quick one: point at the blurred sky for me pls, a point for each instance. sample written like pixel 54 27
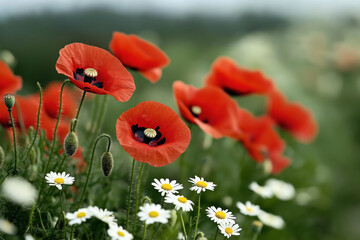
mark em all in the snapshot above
pixel 182 8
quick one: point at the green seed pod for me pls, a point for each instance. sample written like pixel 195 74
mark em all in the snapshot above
pixel 32 156
pixel 107 163
pixel 9 100
pixel 71 144
pixel 2 156
pixel 257 226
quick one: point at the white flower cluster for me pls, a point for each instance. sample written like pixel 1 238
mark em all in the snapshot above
pixel 274 187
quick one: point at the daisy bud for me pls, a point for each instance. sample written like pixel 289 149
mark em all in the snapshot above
pixel 71 144
pixel 2 156
pixel 107 163
pixel 173 217
pixel 32 156
pixel 9 100
pixel 257 226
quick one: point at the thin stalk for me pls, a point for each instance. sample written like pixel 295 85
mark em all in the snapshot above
pixel 183 225
pixel 198 217
pixel 129 195
pixel 217 231
pixel 255 236
pixel 61 163
pixel 91 164
pixel 30 217
pixel 53 143
pixel 72 232
pixel 144 232
pixel 137 197
pixel 61 204
pixel 14 136
pixel 37 122
pixel 80 105
pixel 41 221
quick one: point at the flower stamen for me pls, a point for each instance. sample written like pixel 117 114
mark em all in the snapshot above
pixel 121 234
pixel 228 230
pixel 166 187
pixel 81 215
pixel 90 72
pixel 220 214
pixel 59 180
pixel 182 199
pixel 153 214
pixel 150 133
pixel 201 184
pixel 196 110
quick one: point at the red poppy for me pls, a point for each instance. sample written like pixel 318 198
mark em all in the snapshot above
pixel 293 117
pixel 208 107
pixel 139 54
pixel 261 140
pixel 152 133
pixel 51 101
pixel 95 70
pixel 9 83
pixel 236 80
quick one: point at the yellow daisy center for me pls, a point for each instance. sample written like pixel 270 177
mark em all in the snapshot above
pixel 150 133
pixel 80 214
pixel 153 214
pixel 249 209
pixel 90 72
pixel 220 214
pixel 120 233
pixel 166 187
pixel 201 184
pixel 182 199
pixel 228 230
pixel 196 110
pixel 59 180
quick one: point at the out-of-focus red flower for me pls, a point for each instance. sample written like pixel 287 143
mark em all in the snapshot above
pixel 152 133
pixel 51 101
pixel 9 83
pixel 95 70
pixel 235 80
pixel 209 107
pixel 261 140
pixel 293 117
pixel 139 54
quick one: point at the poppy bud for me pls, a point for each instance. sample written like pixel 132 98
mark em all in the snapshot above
pixel 33 173
pixel 107 163
pixel 256 226
pixel 31 131
pixel 32 156
pixel 2 156
pixel 9 100
pixel 71 144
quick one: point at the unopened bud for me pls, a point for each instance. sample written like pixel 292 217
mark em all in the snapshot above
pixel 33 173
pixel 31 131
pixel 107 163
pixel 267 167
pixel 9 100
pixel 2 156
pixel 32 156
pixel 173 217
pixel 71 144
pixel 257 226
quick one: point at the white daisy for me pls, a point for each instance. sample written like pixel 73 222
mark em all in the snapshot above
pixel 271 220
pixel 118 233
pixel 102 214
pixel 282 190
pixel 151 213
pixel 29 237
pixel 57 179
pixel 248 208
pixel 7 227
pixel 165 186
pixel 220 216
pixel 229 229
pixel 201 185
pixel 180 202
pixel 264 192
pixel 79 216
pixel 18 190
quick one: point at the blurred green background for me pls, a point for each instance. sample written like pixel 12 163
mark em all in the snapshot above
pixel 314 61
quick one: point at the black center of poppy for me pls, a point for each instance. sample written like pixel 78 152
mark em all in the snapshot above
pixel 140 136
pixel 79 75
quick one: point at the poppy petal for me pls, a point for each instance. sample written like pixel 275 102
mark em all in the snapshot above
pixel 9 82
pixel 153 74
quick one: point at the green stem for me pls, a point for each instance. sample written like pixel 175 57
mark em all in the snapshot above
pixel 61 204
pixel 217 231
pixel 41 221
pixel 183 225
pixel 80 105
pixel 137 197
pixel 198 217
pixel 255 236
pixel 91 164
pixel 14 136
pixel 37 122
pixel 144 232
pixel 152 231
pixel 72 232
pixel 129 195
pixel 61 163
pixel 30 217
pixel 53 143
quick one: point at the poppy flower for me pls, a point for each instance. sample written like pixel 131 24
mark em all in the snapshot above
pixel 139 54
pixel 95 70
pixel 209 107
pixel 51 101
pixel 235 80
pixel 152 133
pixel 261 140
pixel 293 117
pixel 9 82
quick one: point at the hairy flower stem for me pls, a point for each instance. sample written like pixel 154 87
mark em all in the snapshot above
pixel 129 195
pixel 91 164
pixel 197 217
pixel 13 128
pixel 137 197
pixel 53 143
pixel 30 217
pixel 183 225
pixel 80 105
pixel 37 122
pixel 61 163
pixel 144 232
